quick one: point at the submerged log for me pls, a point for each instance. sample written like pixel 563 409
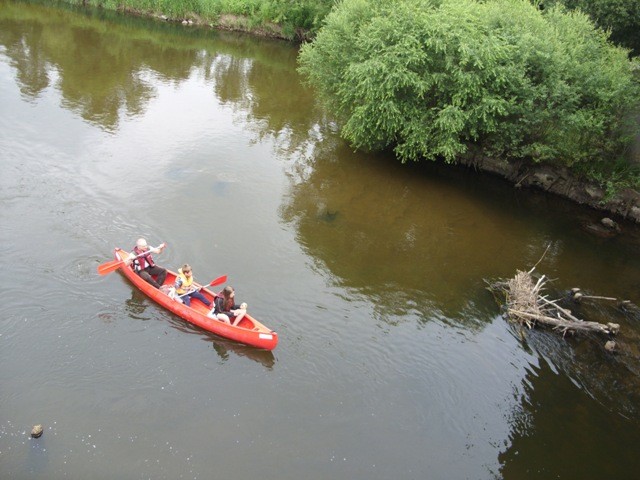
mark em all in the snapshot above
pixel 565 325
pixel 577 296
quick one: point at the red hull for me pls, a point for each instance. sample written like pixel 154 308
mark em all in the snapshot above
pixel 249 331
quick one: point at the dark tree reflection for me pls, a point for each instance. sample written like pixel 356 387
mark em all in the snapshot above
pixel 28 59
pixel 550 436
pixel 107 66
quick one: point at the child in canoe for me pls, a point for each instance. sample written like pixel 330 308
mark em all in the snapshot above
pixel 184 289
pixel 225 308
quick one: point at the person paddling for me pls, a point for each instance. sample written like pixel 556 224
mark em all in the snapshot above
pixel 185 289
pixel 144 265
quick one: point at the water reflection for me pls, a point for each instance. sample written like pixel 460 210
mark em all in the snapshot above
pixel 552 403
pixel 400 235
pixel 76 55
pixel 136 305
pixel 424 237
pixel 224 347
pixel 37 460
pixel 417 248
pixel 107 68
pixel 576 385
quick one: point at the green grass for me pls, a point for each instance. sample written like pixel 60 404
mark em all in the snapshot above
pixel 295 19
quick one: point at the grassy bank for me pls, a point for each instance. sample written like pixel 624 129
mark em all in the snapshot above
pixel 287 19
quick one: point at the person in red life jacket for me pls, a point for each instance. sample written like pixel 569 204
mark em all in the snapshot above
pixel 185 289
pixel 225 309
pixel 144 265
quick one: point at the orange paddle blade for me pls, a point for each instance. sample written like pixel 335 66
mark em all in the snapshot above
pixel 109 267
pixel 218 281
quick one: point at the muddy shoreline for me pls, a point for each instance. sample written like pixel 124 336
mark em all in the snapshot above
pixel 624 205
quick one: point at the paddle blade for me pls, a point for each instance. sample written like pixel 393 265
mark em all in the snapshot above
pixel 218 281
pixel 109 267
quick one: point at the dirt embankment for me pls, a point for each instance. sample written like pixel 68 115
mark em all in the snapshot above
pixel 561 181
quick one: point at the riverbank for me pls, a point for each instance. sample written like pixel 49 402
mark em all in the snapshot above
pixel 625 204
pixel 228 22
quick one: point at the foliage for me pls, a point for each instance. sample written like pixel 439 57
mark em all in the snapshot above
pixel 616 177
pixel 430 77
pixel 621 17
pixel 292 15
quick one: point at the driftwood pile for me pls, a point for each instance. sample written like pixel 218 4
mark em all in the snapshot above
pixel 528 306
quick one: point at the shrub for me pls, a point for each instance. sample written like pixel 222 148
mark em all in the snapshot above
pixel 429 77
pixel 620 17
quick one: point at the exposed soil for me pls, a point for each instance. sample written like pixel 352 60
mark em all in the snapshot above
pixel 561 181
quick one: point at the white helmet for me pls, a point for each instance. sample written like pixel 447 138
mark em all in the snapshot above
pixel 141 243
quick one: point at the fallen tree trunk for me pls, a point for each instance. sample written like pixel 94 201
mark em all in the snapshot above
pixel 565 325
pixel 526 305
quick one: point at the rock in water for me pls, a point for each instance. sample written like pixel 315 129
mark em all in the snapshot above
pixel 607 222
pixel 36 431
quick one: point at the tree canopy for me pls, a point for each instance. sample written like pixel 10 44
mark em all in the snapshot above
pixel 429 78
pixel 621 17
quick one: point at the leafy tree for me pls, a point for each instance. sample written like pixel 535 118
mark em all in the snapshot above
pixel 621 17
pixel 431 77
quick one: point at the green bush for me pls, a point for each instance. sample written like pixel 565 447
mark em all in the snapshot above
pixel 620 17
pixel 430 77
pixel 296 14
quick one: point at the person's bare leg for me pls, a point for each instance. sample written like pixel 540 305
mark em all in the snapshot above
pixel 239 317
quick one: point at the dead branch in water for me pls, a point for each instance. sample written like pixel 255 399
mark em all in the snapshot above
pixel 526 305
pixel 578 296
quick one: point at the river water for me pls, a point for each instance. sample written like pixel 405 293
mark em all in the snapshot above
pixel 394 361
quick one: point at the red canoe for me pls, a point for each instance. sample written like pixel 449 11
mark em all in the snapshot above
pixel 249 331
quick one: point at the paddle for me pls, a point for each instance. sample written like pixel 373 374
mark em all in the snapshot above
pixel 113 265
pixel 213 283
